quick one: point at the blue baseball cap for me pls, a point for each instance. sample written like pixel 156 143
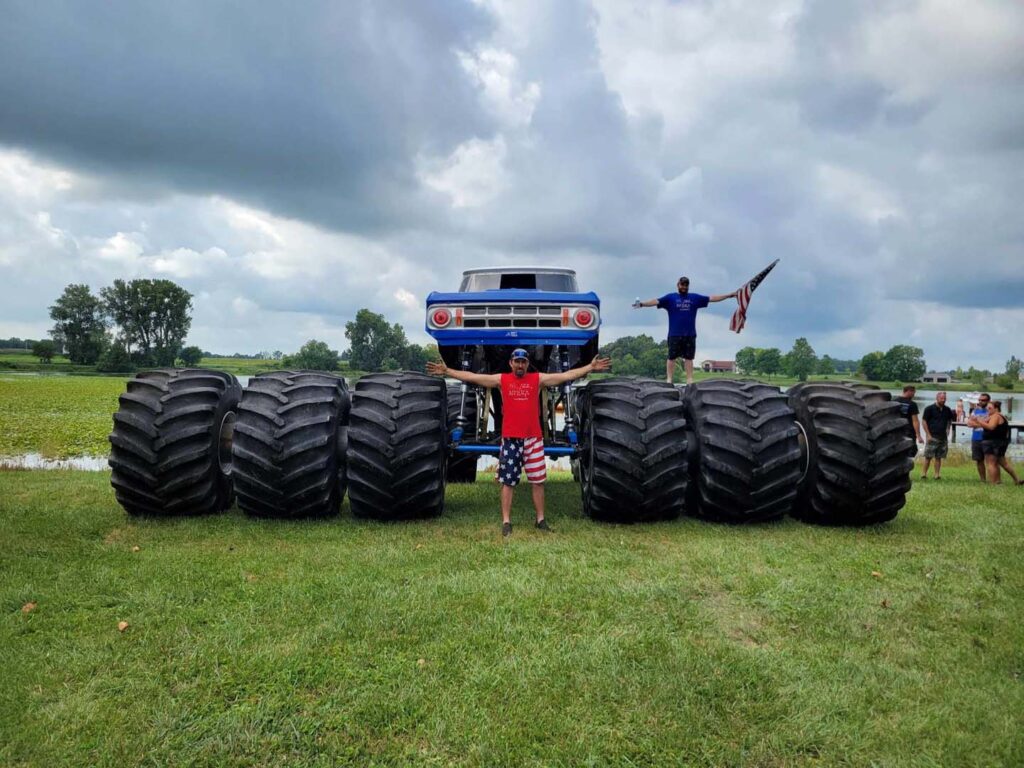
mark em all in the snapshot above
pixel 520 354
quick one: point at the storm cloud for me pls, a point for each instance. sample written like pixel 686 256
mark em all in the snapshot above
pixel 289 165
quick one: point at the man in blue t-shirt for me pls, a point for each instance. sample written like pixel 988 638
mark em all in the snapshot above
pixel 682 309
pixel 977 435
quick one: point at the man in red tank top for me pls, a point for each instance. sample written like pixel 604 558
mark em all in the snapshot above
pixel 522 442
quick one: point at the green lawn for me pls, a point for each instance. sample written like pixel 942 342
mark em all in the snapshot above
pixel 343 641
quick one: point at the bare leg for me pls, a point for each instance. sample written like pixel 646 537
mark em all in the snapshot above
pixel 981 470
pixel 938 468
pixel 992 467
pixel 506 503
pixel 1005 464
pixel 538 499
pixel 927 463
pixel 670 369
pixel 688 364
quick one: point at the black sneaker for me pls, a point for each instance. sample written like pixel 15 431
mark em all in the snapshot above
pixel 542 525
pixel 506 530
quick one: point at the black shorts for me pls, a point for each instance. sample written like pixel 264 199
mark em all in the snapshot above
pixel 682 346
pixel 995 448
pixel 977 454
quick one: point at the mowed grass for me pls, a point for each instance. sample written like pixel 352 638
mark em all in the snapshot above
pixel 435 643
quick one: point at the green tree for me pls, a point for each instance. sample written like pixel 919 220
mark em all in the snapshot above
pixel 313 356
pixel 415 356
pixel 80 324
pixel 637 356
pixel 904 363
pixel 769 361
pixel 801 360
pixel 115 359
pixel 375 345
pixel 1013 367
pixel 190 356
pixel 1005 381
pixel 44 350
pixel 978 377
pixel 152 315
pixel 872 365
pixel 826 366
pixel 746 360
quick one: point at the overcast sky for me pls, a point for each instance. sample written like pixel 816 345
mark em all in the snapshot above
pixel 289 164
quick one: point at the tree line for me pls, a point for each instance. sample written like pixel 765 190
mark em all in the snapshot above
pixel 144 323
pixel 130 323
pixel 374 345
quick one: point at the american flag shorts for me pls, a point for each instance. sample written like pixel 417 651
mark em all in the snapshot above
pixel 518 453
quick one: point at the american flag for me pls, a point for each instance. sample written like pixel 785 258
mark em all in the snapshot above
pixel 739 317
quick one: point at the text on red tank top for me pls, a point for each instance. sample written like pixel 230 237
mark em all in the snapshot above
pixel 520 405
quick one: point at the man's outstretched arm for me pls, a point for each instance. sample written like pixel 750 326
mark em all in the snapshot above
pixel 480 379
pixel 554 379
pixel 722 296
pixel 648 303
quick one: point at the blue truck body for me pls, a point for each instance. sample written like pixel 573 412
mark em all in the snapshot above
pixel 477 329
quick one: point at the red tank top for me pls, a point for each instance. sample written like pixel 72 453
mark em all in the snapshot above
pixel 520 405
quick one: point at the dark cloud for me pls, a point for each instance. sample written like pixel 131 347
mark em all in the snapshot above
pixel 876 149
pixel 313 112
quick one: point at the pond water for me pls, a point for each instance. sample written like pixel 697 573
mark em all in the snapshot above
pixel 36 461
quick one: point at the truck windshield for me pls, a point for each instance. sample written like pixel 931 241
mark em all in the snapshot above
pixel 537 281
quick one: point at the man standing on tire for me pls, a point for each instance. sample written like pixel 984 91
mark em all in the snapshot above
pixel 936 420
pixel 522 442
pixel 682 309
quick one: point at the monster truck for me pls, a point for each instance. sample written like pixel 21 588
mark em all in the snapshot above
pixel 626 437
pixel 189 441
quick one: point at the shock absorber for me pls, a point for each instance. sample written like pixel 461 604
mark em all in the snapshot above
pixel 570 416
pixel 460 420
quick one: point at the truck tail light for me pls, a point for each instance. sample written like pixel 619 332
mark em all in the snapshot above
pixel 441 317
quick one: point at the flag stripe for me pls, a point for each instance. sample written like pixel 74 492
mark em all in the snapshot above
pixel 739 317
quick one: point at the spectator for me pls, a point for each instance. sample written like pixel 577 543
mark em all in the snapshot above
pixel 979 412
pixel 909 411
pixel 682 309
pixel 937 420
pixel 995 442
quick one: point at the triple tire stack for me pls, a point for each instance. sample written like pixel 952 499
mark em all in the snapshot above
pixel 189 442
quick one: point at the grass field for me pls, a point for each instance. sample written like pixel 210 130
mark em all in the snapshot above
pixel 435 643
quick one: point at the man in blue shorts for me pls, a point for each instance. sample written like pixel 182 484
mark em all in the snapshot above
pixel 682 309
pixel 978 434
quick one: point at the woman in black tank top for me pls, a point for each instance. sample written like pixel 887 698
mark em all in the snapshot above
pixel 995 440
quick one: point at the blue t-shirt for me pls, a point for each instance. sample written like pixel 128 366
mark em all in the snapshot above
pixel 682 312
pixel 978 434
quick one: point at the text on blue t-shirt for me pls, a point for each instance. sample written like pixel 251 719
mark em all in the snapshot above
pixel 682 312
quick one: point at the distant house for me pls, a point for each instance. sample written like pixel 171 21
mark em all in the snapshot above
pixel 718 366
pixel 936 377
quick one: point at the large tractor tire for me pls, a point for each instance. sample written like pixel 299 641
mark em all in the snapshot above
pixel 859 457
pixel 289 458
pixel 397 446
pixel 746 462
pixel 462 466
pixel 169 451
pixel 633 464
